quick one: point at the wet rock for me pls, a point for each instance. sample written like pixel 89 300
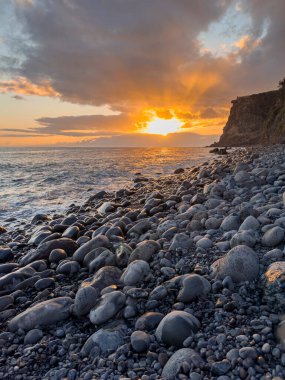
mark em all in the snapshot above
pixel 175 327
pixel 241 263
pixel 6 302
pixel 57 255
pixel 105 258
pixel 68 268
pixel 42 315
pixel 108 306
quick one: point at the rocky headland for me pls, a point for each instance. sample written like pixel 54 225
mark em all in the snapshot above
pixel 180 277
pixel 257 119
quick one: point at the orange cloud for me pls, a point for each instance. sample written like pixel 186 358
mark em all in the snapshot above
pixel 21 85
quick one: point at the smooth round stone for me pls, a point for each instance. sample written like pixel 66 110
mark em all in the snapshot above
pixel 43 314
pixel 273 237
pixel 148 321
pixel 241 263
pixel 85 299
pixel 243 238
pixel 68 267
pixel 44 283
pixel 230 223
pixel 33 336
pixel 204 243
pixel 104 341
pixel 144 251
pixel 108 306
pixel 194 286
pixel 248 352
pixel 250 223
pixel 6 255
pixel 212 223
pixel 57 255
pixel 140 341
pixel 273 254
pixel 181 241
pixel 6 301
pixel 176 361
pixel 135 272
pixel 105 258
pixel 175 327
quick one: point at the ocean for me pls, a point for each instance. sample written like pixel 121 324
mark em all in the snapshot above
pixel 48 180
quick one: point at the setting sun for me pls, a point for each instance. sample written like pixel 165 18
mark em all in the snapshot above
pixel 161 126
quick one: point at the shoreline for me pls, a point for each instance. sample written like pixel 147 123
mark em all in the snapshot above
pixel 140 284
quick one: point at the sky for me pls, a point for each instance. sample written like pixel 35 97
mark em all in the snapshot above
pixel 132 72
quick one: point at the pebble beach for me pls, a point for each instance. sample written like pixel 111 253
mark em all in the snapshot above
pixel 176 277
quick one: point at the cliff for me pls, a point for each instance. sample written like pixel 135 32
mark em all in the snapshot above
pixel 257 119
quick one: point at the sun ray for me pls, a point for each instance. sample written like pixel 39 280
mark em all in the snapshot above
pixel 161 126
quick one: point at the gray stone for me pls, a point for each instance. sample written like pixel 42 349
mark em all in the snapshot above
pixel 204 243
pixel 273 254
pixel 71 232
pixel 230 223
pixel 148 321
pixel 145 251
pixel 85 299
pixel 108 306
pixel 104 341
pixel 175 327
pixel 5 302
pixel 98 241
pixel 105 258
pixel 241 263
pixel 57 255
pixel 221 367
pixel 176 361
pixel 250 223
pixel 33 336
pixel 243 238
pixel 44 283
pixel 6 254
pixel 194 286
pixel 43 252
pixel 140 341
pixel 273 237
pixel 68 267
pixel 135 272
pixel 42 315
pixel 123 253
pixel 181 241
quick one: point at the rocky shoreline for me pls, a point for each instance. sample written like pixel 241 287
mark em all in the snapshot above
pixel 180 277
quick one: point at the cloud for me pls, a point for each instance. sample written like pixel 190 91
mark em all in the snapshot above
pixel 139 56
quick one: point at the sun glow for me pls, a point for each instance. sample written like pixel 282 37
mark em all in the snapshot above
pixel 161 126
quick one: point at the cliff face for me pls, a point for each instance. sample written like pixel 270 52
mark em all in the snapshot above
pixel 257 119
